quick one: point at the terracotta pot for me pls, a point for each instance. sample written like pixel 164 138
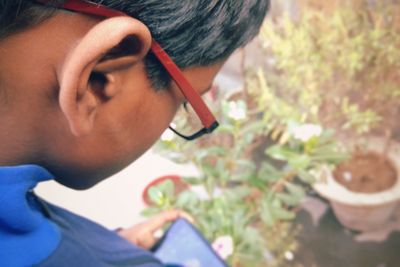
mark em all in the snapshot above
pixel 364 217
pixel 179 184
pixel 361 211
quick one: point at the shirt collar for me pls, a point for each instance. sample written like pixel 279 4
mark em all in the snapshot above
pixel 26 235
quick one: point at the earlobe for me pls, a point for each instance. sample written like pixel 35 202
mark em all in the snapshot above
pixel 78 102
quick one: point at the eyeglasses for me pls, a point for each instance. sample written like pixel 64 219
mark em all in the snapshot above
pixel 208 121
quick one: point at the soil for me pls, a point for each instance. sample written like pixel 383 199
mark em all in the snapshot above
pixel 366 173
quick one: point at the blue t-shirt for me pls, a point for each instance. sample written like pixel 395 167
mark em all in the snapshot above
pixel 36 233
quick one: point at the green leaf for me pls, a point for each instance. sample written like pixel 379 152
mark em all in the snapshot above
pixel 295 190
pixel 217 150
pixel 269 173
pixel 247 139
pixel 257 127
pixel 248 164
pixel 156 196
pixel 256 182
pixel 266 214
pixel 299 162
pixel 283 214
pixel 220 166
pixel 237 193
pixel 306 177
pixel 288 199
pixel 193 180
pixel 237 177
pixel 209 170
pixel 239 220
pixel 187 199
pixel 167 187
pixel 225 128
pixel 280 153
pixel 200 155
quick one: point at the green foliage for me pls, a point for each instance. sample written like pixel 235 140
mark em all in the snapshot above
pixel 324 70
pixel 163 194
pixel 335 67
pixel 246 198
pixel 361 121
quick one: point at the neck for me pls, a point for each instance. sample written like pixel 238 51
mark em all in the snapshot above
pixel 16 147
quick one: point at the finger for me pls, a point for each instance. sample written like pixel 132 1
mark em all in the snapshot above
pixel 146 241
pixel 186 216
pixel 165 217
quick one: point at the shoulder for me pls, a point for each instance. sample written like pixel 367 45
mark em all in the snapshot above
pixel 86 243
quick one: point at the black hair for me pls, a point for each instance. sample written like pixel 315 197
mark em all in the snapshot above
pixel 193 32
pixel 18 15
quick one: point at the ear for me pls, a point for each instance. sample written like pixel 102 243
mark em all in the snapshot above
pixel 101 51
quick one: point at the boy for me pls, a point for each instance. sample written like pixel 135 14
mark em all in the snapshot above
pixel 85 90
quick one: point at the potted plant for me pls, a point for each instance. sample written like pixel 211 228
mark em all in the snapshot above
pixel 242 206
pixel 338 65
pixel 365 190
pixel 168 181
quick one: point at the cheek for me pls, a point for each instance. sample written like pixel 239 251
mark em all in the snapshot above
pixel 155 118
pixel 141 122
pixel 124 131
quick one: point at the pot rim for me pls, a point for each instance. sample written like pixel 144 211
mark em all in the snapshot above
pixel 329 188
pixel 332 190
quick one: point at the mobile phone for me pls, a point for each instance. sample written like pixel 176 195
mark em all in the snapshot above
pixel 184 246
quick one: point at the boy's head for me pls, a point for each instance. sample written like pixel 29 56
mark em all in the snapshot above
pixel 84 96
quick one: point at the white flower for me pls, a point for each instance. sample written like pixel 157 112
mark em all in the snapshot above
pixel 168 135
pixel 289 255
pixel 306 131
pixel 223 245
pixel 237 110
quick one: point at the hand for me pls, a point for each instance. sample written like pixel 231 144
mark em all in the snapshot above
pixel 143 234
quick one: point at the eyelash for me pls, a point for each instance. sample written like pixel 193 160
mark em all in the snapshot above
pixel 185 104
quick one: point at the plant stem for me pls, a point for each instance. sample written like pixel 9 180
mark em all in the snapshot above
pixel 278 187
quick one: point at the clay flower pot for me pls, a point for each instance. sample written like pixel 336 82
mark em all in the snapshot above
pixel 179 186
pixel 365 210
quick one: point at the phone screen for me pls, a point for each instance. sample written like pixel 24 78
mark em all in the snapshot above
pixel 184 246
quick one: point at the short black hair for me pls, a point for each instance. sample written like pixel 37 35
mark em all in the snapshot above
pixel 193 32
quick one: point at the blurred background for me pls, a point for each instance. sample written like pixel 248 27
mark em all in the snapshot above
pixel 303 170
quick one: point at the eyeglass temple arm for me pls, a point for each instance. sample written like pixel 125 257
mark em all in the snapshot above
pixel 192 96
pixel 195 135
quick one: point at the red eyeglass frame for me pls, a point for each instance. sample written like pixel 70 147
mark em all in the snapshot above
pixel 192 96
